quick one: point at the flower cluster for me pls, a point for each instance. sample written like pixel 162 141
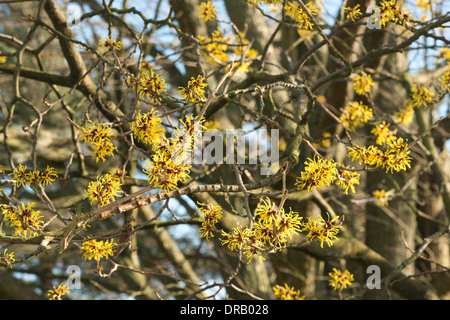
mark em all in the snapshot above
pixel 355 115
pixel 104 190
pixel 421 95
pixel 340 280
pixel 36 178
pixel 195 89
pixel 382 134
pixel 169 165
pixel 7 259
pixel 382 197
pixel 214 48
pixel 58 292
pixel 353 13
pixel 322 230
pixel 287 293
pixel 405 114
pixel 26 221
pixel 93 249
pixel 109 45
pixel 321 172
pixel 363 83
pixel 207 11
pixel 390 11
pixel 444 81
pixel 210 216
pixel 150 86
pixel 98 136
pixel 267 2
pixel 394 158
pixel 270 233
pixel 219 49
pixel 147 127
pixel 301 16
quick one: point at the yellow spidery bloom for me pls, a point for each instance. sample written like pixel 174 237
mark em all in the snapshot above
pixel 390 11
pixel 406 114
pixel 151 86
pixel 383 134
pixel 146 127
pixel 340 280
pixel 382 197
pixel 93 249
pixel 105 190
pixel 207 11
pixel 300 16
pixel 210 216
pixel 421 96
pixel 317 174
pixel 236 239
pixel 109 44
pixel 26 221
pixel 324 231
pixel 20 176
pixel 99 139
pixel 363 83
pixel 58 292
pixel 355 115
pixel 7 259
pixel 214 48
pixel 195 89
pixel 353 13
pixel 287 293
pixel 37 178
pixel 347 179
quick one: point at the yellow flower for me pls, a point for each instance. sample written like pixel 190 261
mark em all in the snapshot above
pixel 110 44
pixel 287 293
pixel 322 230
pixel 445 81
pixel 444 53
pixel 382 134
pixel 104 190
pixel 2 58
pixel 58 292
pixel 97 250
pixel 347 179
pixel 20 176
pixel 355 115
pixel 406 114
pixel 353 13
pixel 421 96
pixel 317 174
pixel 390 11
pixel 194 90
pixel 214 48
pixel 146 127
pixel 210 216
pixel 99 138
pixel 207 11
pixel 236 239
pixel 27 221
pixel 299 15
pixel 340 280
pixel 382 197
pixel 7 259
pixel 151 86
pixel 363 83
